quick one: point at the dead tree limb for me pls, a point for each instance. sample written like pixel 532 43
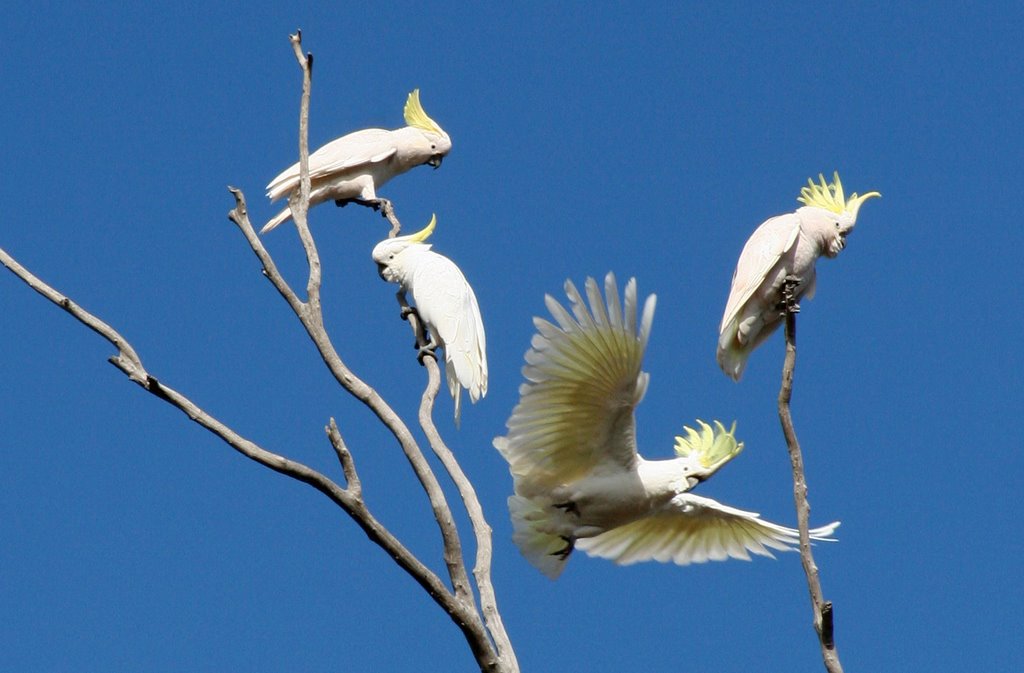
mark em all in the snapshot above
pixel 485 634
pixel 823 624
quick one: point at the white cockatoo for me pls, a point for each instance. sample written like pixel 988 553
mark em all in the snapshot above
pixel 571 449
pixel 783 247
pixel 447 305
pixel 351 168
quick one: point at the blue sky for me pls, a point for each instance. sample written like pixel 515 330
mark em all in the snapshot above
pixel 587 138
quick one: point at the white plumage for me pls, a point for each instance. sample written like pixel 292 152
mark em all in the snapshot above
pixel 353 167
pixel 786 246
pixel 447 305
pixel 571 449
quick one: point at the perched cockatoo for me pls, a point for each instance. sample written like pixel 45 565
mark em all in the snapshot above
pixel 352 167
pixel 571 449
pixel 447 305
pixel 783 247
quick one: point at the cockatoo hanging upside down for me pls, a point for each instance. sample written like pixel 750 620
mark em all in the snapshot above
pixel 447 305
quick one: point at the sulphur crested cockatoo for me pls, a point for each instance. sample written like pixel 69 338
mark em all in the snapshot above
pixel 571 449
pixel 352 167
pixel 783 249
pixel 447 305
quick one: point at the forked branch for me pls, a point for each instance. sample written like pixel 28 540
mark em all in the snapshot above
pixel 485 636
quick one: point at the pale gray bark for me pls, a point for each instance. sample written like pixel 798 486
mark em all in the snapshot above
pixel 822 609
pixel 480 623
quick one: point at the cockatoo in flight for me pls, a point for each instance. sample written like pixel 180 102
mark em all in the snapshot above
pixel 447 305
pixel 571 449
pixel 783 249
pixel 351 168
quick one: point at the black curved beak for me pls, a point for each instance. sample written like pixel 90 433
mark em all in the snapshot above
pixel 380 270
pixel 435 161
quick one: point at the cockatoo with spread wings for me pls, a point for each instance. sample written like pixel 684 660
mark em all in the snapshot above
pixel 571 449
pixel 783 249
pixel 447 305
pixel 352 167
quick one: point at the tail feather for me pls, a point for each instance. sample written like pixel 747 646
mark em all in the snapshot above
pixel 546 552
pixel 283 216
pixel 453 387
pixel 732 355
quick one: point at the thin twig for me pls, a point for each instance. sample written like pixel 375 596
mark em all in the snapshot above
pixel 452 556
pixel 481 529
pixel 298 203
pixel 388 211
pixel 822 609
pixel 348 465
pixel 129 362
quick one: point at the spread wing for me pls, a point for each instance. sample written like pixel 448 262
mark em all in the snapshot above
pixel 583 381
pixel 447 303
pixel 760 254
pixel 695 530
pixel 357 148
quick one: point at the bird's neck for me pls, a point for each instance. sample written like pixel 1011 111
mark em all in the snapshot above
pixel 663 479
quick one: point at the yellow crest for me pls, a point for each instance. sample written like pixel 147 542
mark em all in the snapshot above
pixel 830 195
pixel 416 117
pixel 423 233
pixel 712 445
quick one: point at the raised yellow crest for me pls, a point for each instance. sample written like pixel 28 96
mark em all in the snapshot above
pixel 830 195
pixel 416 117
pixel 423 233
pixel 711 444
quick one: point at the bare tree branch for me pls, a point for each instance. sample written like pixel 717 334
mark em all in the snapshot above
pixel 485 635
pixel 348 466
pixel 128 361
pixel 823 624
pixel 310 314
pixel 481 529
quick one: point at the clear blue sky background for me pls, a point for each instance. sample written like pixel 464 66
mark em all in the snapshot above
pixel 587 138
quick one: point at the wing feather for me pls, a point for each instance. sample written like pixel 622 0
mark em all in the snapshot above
pixel 696 530
pixel 446 301
pixel 583 381
pixel 341 154
pixel 762 251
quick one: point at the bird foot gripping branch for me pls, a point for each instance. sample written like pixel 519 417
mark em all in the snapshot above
pixel 424 345
pixel 789 303
pixel 381 205
pixel 423 351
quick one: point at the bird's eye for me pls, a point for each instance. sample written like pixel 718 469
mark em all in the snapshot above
pixel 433 146
pixel 391 256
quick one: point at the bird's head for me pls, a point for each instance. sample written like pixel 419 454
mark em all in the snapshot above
pixel 706 450
pixel 841 212
pixel 435 143
pixel 393 255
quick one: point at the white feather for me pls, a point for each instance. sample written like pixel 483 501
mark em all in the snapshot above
pixel 446 303
pixel 355 165
pixel 571 449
